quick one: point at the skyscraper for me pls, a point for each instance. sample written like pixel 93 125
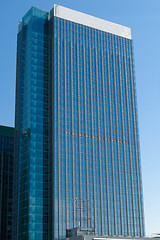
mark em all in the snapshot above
pixel 6 181
pixel 77 159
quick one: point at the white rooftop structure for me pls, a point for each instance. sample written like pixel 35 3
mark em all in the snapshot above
pixel 90 21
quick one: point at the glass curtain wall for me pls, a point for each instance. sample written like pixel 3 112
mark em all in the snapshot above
pixel 31 155
pixel 77 157
pixel 96 162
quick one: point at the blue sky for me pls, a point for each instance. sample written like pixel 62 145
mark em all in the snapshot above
pixel 144 19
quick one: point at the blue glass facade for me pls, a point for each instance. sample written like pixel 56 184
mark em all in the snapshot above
pixel 6 182
pixel 95 135
pixel 78 158
pixel 31 126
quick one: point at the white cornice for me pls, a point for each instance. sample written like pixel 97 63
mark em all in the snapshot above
pixel 90 21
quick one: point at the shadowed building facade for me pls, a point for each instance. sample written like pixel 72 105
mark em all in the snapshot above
pixel 77 159
pixel 6 181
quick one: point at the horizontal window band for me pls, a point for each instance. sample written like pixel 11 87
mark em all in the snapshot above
pixel 101 138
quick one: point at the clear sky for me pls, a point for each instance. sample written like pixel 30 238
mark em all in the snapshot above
pixel 143 16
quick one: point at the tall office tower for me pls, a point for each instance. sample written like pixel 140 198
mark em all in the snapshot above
pixel 77 158
pixel 6 181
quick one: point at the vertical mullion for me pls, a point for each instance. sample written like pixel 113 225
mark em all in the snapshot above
pixel 104 127
pixel 65 99
pixel 78 73
pixel 99 217
pixel 110 111
pixel 85 138
pixel 72 196
pixel 58 134
pixel 129 137
pixel 114 73
pixel 91 76
pixel 125 173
